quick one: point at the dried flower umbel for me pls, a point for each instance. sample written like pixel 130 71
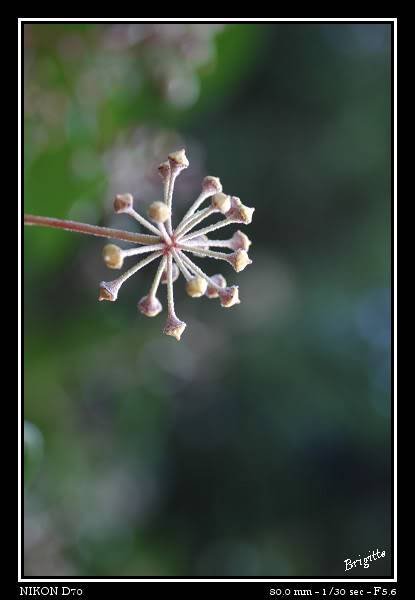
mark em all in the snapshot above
pixel 172 246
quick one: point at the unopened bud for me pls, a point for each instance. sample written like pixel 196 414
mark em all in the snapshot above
pixel 212 292
pixel 174 327
pixel 222 202
pixel 229 296
pixel 196 287
pixel 112 256
pixel 123 203
pixel 149 306
pixel 211 185
pixel 239 260
pixel 158 212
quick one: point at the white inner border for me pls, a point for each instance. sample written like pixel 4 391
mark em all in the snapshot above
pixel 20 174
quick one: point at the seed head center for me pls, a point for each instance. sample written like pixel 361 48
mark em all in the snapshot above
pixel 169 246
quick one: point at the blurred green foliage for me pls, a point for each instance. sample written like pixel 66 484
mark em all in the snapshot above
pixel 33 450
pixel 260 445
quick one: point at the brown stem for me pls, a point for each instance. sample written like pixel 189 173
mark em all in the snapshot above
pixel 116 234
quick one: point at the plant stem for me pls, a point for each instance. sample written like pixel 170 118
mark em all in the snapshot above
pixel 115 234
pixel 157 278
pixel 191 265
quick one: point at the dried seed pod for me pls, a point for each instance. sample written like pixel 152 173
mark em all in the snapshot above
pixel 239 213
pixel 229 296
pixel 211 185
pixel 108 290
pixel 174 327
pixel 240 241
pixel 239 260
pixel 178 160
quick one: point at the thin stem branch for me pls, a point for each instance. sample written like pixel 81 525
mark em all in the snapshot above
pixel 142 249
pixel 215 243
pixel 199 200
pixel 166 186
pixel 203 243
pixel 164 233
pixel 204 252
pixel 186 274
pixel 198 271
pixel 170 294
pixel 207 229
pixel 106 232
pixel 157 278
pixel 173 174
pixel 187 225
pixel 138 266
pixel 133 213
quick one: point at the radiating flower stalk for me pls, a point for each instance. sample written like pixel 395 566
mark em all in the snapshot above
pixel 172 245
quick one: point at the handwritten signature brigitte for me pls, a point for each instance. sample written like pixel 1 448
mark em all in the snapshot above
pixel 364 562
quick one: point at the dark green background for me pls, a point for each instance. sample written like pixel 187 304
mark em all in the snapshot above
pixel 260 444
